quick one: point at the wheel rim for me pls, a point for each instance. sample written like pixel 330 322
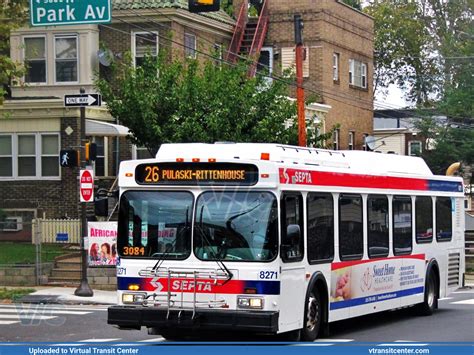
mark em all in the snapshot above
pixel 431 292
pixel 312 315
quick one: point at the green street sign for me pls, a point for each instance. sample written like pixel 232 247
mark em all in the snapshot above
pixel 69 12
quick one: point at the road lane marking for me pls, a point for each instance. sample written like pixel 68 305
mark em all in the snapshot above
pixel 8 322
pixel 334 340
pixel 470 301
pixel 22 312
pixel 152 340
pixel 42 306
pixel 27 316
pixel 99 340
pixel 445 298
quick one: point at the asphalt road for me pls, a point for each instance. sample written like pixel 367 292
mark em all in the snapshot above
pixel 453 322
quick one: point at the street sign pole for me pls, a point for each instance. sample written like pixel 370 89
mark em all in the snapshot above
pixel 84 290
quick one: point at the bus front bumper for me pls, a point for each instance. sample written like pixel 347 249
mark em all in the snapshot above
pixel 137 316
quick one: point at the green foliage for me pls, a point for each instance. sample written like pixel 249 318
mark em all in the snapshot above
pixel 12 15
pixel 353 3
pixel 445 144
pixel 417 44
pixel 14 294
pixel 25 253
pixel 167 101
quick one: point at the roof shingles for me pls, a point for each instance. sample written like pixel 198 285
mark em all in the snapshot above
pixel 221 15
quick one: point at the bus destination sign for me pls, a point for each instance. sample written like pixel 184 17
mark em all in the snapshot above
pixel 196 174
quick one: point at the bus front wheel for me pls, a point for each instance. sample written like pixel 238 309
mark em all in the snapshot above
pixel 312 317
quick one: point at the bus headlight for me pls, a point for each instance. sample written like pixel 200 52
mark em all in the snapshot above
pixel 249 302
pixel 133 297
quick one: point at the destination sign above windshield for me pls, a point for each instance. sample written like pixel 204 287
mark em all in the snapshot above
pixel 196 174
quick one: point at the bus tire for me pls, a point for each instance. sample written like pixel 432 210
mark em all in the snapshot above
pixel 312 317
pixel 431 295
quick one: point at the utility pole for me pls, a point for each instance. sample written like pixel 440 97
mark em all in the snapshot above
pixel 84 289
pixel 299 80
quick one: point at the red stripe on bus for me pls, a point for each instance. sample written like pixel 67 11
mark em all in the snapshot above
pixel 309 177
pixel 343 264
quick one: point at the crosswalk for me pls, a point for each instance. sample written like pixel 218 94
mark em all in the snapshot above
pixel 34 314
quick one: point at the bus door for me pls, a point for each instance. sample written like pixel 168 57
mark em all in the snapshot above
pixel 292 274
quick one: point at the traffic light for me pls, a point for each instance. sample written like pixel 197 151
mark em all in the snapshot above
pixel 69 158
pixel 90 151
pixel 203 5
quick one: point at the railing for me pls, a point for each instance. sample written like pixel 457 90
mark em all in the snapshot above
pixel 259 37
pixel 238 35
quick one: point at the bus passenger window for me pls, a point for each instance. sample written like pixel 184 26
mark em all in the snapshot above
pixel 320 211
pixel 350 227
pixel 377 226
pixel 444 222
pixel 292 215
pixel 402 225
pixel 424 219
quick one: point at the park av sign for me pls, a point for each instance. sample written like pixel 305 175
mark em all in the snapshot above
pixel 69 12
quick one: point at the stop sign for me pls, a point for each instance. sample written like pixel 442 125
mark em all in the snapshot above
pixel 86 181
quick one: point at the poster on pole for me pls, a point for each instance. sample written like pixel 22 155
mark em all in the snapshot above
pixel 102 249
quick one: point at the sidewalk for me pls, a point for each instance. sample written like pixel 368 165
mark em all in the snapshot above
pixel 65 295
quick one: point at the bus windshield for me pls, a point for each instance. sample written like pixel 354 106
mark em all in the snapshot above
pixel 155 224
pixel 240 226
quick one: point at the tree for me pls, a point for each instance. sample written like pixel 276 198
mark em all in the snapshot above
pixel 173 101
pixel 445 144
pixel 418 45
pixel 13 13
pixel 402 49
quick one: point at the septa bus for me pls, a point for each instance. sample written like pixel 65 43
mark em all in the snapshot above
pixel 271 238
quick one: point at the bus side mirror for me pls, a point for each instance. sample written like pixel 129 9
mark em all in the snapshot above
pixel 290 240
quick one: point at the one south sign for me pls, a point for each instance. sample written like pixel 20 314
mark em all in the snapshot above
pixel 69 12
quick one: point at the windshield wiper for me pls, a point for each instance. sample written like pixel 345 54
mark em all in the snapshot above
pixel 170 246
pixel 218 260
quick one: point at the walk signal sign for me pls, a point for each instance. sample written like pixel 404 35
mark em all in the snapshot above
pixel 195 6
pixel 69 158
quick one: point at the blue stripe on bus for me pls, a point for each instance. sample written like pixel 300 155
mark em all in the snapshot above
pixel 376 298
pixel 448 186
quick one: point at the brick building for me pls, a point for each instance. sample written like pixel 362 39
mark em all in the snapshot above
pixel 35 125
pixel 338 66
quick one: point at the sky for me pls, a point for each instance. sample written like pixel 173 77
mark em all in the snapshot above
pixel 394 99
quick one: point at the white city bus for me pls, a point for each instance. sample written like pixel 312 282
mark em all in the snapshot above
pixel 270 238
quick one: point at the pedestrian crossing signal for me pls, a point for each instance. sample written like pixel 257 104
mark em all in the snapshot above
pixel 69 158
pixel 203 5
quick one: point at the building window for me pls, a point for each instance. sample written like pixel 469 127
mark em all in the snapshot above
pixel 335 67
pixel 27 155
pixel 351 141
pixel 100 164
pixel 424 219
pixel 320 210
pixel 49 155
pixel 444 221
pixel 335 139
pixel 190 45
pixel 6 156
pixel 377 226
pixel 366 147
pixel 357 73
pixel 35 59
pixel 351 241
pixel 144 43
pixel 66 59
pixel 402 232
pixel 414 148
pixel 142 153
